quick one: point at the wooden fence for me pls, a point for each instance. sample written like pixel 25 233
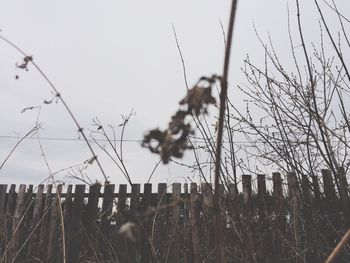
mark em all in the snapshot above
pixel 297 220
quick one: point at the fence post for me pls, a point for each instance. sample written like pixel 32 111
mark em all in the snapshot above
pixel 233 203
pixel 265 245
pixel 294 200
pixel 3 188
pixel 146 204
pixel 344 195
pixel 33 248
pixel 174 255
pixel 119 244
pixel 195 230
pixel 161 222
pixel 307 209
pixel 92 207
pixel 247 217
pixel 121 205
pixel 29 204
pixel 54 228
pixel 187 230
pixel 75 228
pixel 134 216
pixel 280 221
pixel 208 224
pixel 8 222
pixel 305 187
pixel 17 227
pixel 135 201
pixel 107 205
pixel 329 190
pixel 247 192
pixel 317 192
pixel 44 225
pixel 90 221
pixel 67 213
pixel 262 199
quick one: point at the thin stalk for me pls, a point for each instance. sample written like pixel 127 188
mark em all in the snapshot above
pixel 219 235
pixel 339 247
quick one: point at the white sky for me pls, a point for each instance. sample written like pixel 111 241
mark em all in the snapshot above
pixel 107 57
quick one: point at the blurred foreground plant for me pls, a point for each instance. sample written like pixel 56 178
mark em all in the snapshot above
pixel 173 141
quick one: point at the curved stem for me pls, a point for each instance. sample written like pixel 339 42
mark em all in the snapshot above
pixel 58 95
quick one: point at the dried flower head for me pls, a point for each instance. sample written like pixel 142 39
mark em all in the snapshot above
pixel 198 99
pixel 129 231
pixel 173 141
pixel 24 64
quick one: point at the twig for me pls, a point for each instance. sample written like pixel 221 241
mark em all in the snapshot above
pixel 154 169
pixel 223 32
pixel 182 59
pixel 33 130
pixel 125 121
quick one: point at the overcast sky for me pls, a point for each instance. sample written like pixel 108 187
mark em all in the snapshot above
pixel 109 57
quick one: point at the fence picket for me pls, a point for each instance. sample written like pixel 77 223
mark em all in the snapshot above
pixel 75 226
pixel 280 220
pixel 54 228
pixel 146 205
pixel 208 224
pixel 17 227
pixel 120 244
pixel 174 248
pixel 10 210
pixel 161 225
pixel 135 200
pixel 294 200
pixel 3 188
pixel 33 249
pixel 344 194
pixel 187 229
pixel 90 221
pixel 195 224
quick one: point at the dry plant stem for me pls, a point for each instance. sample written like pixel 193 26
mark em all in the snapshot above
pixel 181 56
pixel 30 234
pixel 58 194
pixel 4 255
pixel 207 137
pixel 122 166
pixel 220 253
pixel 33 130
pixel 125 121
pixel 339 247
pixel 199 124
pixel 9 244
pixel 58 95
pixel 154 169
pixel 80 129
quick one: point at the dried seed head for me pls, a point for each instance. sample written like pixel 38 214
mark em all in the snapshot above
pixel 129 231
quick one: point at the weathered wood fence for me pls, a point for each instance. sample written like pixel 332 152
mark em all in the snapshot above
pixel 297 220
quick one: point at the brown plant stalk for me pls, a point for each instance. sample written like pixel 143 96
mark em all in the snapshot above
pixel 219 235
pixel 339 247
